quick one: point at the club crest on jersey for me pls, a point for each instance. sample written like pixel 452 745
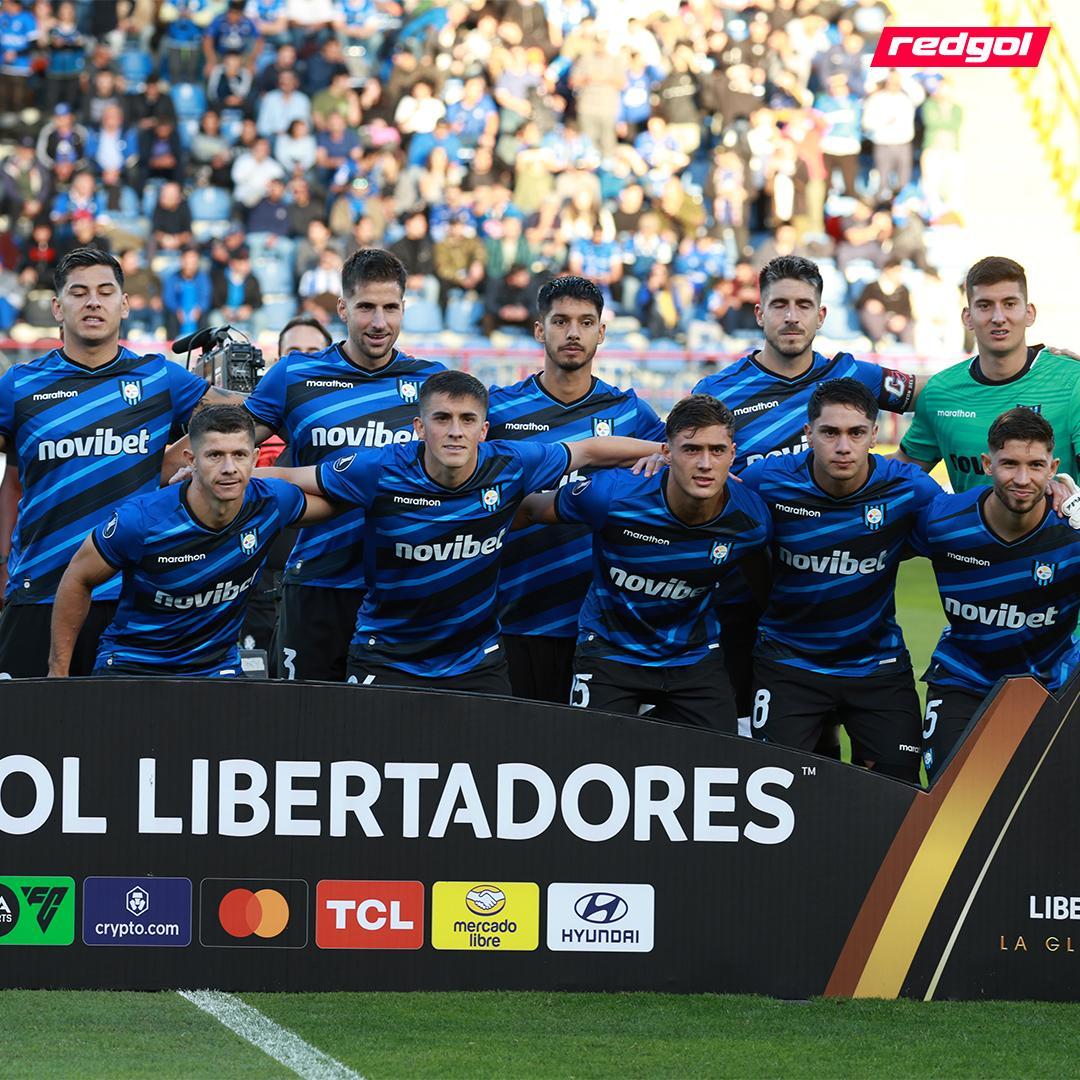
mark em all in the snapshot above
pixel 874 516
pixel 408 390
pixel 603 425
pixel 491 498
pixel 720 551
pixel 249 541
pixel 131 391
pixel 1043 572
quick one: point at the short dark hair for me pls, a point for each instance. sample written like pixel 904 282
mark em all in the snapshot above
pixel 568 288
pixel 224 419
pixel 842 392
pixel 83 257
pixel 1023 424
pixel 790 267
pixel 698 411
pixel 454 384
pixel 370 265
pixel 304 320
pixel 991 270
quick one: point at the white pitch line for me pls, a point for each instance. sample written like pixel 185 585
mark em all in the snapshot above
pixel 271 1038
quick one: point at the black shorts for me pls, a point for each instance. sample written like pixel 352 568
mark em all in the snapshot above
pixel 25 634
pixel 541 668
pixel 738 634
pixel 949 710
pixel 491 677
pixel 314 631
pixel 880 712
pixel 698 694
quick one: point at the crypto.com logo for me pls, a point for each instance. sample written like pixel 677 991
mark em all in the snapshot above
pixel 960 46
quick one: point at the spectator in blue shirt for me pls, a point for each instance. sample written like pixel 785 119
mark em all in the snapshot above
pixel 66 58
pixel 186 295
pixel 18 36
pixel 232 32
pixel 475 117
pixel 282 106
pixel 635 104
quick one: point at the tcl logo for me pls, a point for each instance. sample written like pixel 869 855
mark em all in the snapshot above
pixel 960 46
pixel 369 915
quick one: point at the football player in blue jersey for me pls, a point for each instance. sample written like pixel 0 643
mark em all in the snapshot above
pixel 1008 571
pixel 546 571
pixel 86 423
pixel 189 555
pixel 768 390
pixel 828 643
pixel 361 392
pixel 649 631
pixel 437 512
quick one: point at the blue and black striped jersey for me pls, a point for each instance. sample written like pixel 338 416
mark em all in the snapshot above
pixel 185 586
pixel 83 439
pixel 1012 606
pixel 546 569
pixel 432 553
pixel 327 406
pixel 770 411
pixel 832 607
pixel 650 602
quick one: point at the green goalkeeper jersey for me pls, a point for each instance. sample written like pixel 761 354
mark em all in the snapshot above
pixel 954 412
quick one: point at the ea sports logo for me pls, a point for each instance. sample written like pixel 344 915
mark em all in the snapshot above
pixel 264 913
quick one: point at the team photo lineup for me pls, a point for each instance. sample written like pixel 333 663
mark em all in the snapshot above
pixel 368 516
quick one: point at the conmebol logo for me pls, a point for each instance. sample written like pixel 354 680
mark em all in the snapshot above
pixel 960 46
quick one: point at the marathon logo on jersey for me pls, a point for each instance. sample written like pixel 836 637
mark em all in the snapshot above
pixel 222 593
pixel 669 589
pixel 461 547
pixel 249 541
pixel 841 563
pixel 491 498
pixel 1005 615
pixel 603 425
pixel 1043 572
pixel 408 390
pixel 720 551
pixel 960 46
pixel 104 442
pixel 131 391
pixel 874 516
pixel 373 434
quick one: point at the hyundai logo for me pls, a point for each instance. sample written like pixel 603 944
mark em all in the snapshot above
pixel 601 907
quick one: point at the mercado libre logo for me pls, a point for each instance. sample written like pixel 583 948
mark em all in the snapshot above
pixel 477 916
pixel 259 913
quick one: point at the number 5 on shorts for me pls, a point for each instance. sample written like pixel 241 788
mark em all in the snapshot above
pixel 931 718
pixel 579 692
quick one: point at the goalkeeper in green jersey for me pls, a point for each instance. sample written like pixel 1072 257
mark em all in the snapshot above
pixel 957 406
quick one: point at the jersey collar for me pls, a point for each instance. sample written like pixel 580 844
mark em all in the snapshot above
pixel 84 367
pixel 558 401
pixel 976 372
pixel 395 356
pixel 1048 509
pixel 816 359
pixel 840 498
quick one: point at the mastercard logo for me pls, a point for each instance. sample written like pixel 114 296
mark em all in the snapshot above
pixel 264 913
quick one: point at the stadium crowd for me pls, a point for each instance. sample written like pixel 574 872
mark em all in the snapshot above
pixel 234 154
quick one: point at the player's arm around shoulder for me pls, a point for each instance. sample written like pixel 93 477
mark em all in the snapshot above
pixel 610 451
pixel 920 445
pixel 86 571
